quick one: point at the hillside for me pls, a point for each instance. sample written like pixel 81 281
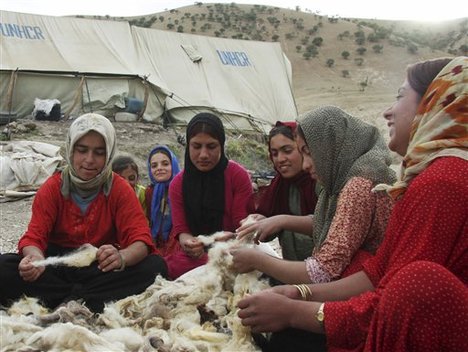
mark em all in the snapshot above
pixel 355 64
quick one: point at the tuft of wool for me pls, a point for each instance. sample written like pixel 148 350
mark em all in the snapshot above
pixel 83 256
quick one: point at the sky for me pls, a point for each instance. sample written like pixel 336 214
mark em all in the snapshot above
pixel 372 9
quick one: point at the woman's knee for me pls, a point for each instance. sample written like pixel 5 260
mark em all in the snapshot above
pixel 9 265
pixel 421 283
pixel 153 265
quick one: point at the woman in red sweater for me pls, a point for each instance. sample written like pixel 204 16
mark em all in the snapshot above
pixel 412 296
pixel 211 194
pixel 85 203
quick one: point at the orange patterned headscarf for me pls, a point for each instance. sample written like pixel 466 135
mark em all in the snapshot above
pixel 440 127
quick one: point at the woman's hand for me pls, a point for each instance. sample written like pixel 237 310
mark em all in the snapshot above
pixel 247 227
pixel 243 259
pixel 289 291
pixel 191 245
pixel 109 258
pixel 263 228
pixel 252 217
pixel 265 311
pixel 225 237
pixel 29 272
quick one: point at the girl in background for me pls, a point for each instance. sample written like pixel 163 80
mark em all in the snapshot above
pixel 125 166
pixel 163 166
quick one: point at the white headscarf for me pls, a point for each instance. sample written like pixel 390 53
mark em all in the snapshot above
pixel 80 127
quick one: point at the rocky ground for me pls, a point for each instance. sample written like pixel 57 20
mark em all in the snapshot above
pixel 14 218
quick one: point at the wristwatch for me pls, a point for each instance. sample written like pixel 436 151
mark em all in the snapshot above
pixel 320 316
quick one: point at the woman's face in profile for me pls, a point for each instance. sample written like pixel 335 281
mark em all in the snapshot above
pixel 308 164
pixel 204 151
pixel 400 117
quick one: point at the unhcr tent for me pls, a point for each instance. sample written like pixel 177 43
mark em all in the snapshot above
pixel 248 82
pixel 88 65
pixel 93 65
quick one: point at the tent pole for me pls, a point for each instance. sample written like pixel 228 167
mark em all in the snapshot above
pixel 9 95
pixel 89 96
pixel 145 99
pixel 76 98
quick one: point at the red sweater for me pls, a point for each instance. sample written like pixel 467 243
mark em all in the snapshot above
pixel 116 219
pixel 428 224
pixel 238 198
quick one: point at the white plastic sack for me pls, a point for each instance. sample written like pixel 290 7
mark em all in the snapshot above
pixel 44 105
pixel 25 165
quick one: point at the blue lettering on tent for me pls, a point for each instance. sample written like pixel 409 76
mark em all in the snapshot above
pixel 234 58
pixel 21 31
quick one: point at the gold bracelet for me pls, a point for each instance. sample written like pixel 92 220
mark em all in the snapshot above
pixel 308 290
pixel 304 290
pixel 299 288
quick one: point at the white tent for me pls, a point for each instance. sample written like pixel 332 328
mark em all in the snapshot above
pixel 246 81
pixel 92 65
pixel 88 65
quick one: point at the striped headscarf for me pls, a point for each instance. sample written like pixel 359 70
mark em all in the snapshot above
pixel 81 126
pixel 440 127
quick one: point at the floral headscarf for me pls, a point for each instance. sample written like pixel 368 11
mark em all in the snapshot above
pixel 157 219
pixel 81 126
pixel 440 126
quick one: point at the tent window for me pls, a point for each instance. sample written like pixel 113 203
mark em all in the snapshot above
pixel 192 53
